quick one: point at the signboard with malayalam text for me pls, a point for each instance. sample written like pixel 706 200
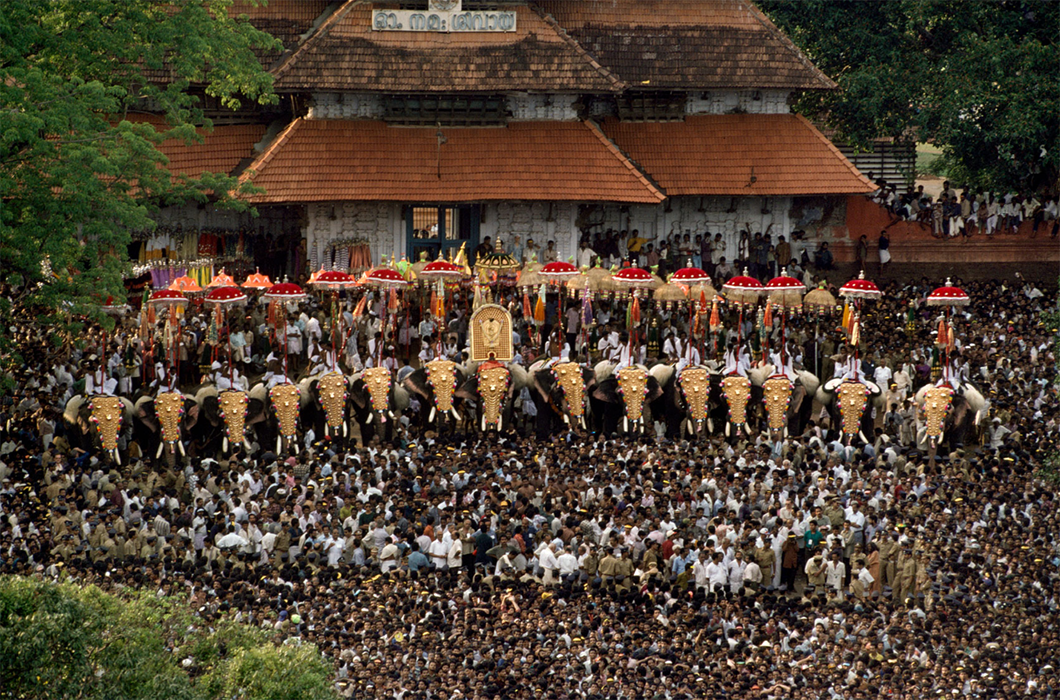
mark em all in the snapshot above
pixel 443 16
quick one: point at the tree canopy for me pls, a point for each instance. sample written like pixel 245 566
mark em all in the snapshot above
pixel 76 173
pixel 64 641
pixel 978 78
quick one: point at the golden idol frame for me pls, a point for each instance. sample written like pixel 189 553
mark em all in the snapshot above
pixel 491 334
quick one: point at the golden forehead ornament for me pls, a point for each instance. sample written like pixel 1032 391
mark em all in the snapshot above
pixel 492 387
pixel 695 385
pixel 936 404
pixel 569 378
pixel 441 375
pixel 633 383
pixel 285 403
pixel 107 415
pixel 853 397
pixel 377 381
pixel 331 388
pixel 776 394
pixel 737 392
pixel 169 407
pixel 233 406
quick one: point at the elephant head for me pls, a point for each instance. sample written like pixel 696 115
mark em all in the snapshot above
pixel 560 391
pixel 494 386
pixel 622 397
pixel 286 405
pixel 737 392
pixel 950 415
pixel 233 407
pixel 167 423
pixel 98 415
pixel 848 400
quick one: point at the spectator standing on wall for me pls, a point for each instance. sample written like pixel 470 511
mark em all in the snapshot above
pixel 884 245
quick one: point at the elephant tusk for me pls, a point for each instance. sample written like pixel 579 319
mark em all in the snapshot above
pixel 181 446
pixel 625 425
pixel 566 419
pixel 430 418
pixel 161 445
pixel 224 444
pixel 456 415
pixel 370 416
pixel 710 425
pixel 326 434
pixel 279 443
pixel 345 430
pixel 583 424
pixel 861 435
pixel 483 423
pixel 117 457
pixel 728 429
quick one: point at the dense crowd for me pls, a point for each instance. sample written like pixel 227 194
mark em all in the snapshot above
pixel 599 566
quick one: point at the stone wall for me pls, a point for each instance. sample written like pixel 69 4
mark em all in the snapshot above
pixel 729 101
pixel 526 107
pixel 537 220
pixel 349 105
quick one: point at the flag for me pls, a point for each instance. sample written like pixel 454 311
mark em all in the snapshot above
pixel 539 308
pixel 855 332
pixel 528 310
pixel 767 318
pixel 942 338
pixel 715 316
pixel 845 323
pixel 587 311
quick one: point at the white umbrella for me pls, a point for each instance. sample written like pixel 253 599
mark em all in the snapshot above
pixel 231 540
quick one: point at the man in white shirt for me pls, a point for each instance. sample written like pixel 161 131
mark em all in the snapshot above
pixel 549 564
pixel 568 564
pixel 835 573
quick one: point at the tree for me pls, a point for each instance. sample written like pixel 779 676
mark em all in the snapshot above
pixel 62 641
pixel 76 175
pixel 978 78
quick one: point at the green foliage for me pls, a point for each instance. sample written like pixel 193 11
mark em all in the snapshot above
pixel 978 78
pixel 76 174
pixel 61 641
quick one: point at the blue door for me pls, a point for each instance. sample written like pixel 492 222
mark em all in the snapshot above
pixel 433 228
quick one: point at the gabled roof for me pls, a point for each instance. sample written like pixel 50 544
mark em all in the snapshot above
pixel 346 54
pixel 738 155
pixel 333 160
pixel 286 20
pixel 222 149
pixel 687 44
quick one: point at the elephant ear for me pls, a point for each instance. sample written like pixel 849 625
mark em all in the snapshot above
pixel 520 377
pixel 141 406
pixel 759 375
pixel 663 373
pixel 258 393
pixel 832 385
pixel 256 412
pixel 537 366
pixel 73 407
pixel 129 407
pixel 603 370
pixel 809 381
pixel 204 393
pixel 401 397
pixel 304 386
pixel 919 398
pixel 712 366
pixel 823 397
pixel 975 400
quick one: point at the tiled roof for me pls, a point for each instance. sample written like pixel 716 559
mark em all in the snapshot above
pixel 346 54
pixel 286 20
pixel 320 160
pixel 220 152
pixel 687 44
pixel 784 154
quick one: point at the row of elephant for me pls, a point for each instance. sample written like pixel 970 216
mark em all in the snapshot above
pixel 698 400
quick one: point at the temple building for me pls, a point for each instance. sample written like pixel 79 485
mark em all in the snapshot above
pixel 415 127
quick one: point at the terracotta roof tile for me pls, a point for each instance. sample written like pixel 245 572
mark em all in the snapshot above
pixel 687 44
pixel 324 160
pixel 718 154
pixel 346 54
pixel 221 151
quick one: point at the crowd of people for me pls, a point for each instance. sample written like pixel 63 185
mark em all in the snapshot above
pixel 965 212
pixel 592 566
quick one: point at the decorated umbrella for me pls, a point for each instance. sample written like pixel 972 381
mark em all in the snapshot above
pixel 278 295
pixel 185 284
pixel 439 273
pixel 257 281
pixel 600 280
pixel 636 280
pixel 222 298
pixel 947 296
pixel 559 271
pixel 172 302
pixel 336 281
pixel 857 291
pixel 221 279
pixel 742 290
pixel 670 293
pixel 820 302
pixel 689 276
pixel 785 292
pixel 389 280
pixel 498 261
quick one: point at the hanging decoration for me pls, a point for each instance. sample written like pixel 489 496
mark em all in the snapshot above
pixel 233 408
pixel 568 376
pixel 853 398
pixel 106 414
pixel 493 381
pixel 441 376
pixel 737 392
pixel 284 398
pixel 776 395
pixel 633 388
pixel 695 388
pixel 169 408
pixel 331 389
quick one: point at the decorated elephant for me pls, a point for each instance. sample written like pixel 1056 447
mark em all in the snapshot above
pixel 560 391
pixel 787 405
pixel 164 422
pixel 377 402
pixel 621 397
pixel 492 387
pixel 850 404
pixel 98 421
pixel 436 385
pixel 950 416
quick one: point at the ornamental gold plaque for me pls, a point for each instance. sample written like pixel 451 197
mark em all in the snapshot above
pixel 776 396
pixel 936 404
pixel 441 375
pixel 233 405
pixel 377 381
pixel 492 387
pixel 169 407
pixel 491 334
pixel 633 385
pixel 285 403
pixel 331 388
pixel 853 397
pixel 737 392
pixel 569 378
pixel 695 385
pixel 107 415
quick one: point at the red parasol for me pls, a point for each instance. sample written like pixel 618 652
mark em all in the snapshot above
pixel 559 271
pixel 633 277
pixel 860 288
pixel 690 275
pixel 167 297
pixel 222 280
pixel 257 281
pixel 224 296
pixel 785 291
pixel 333 280
pixel 285 291
pixel 743 289
pixel 386 277
pixel 948 296
pixel 442 269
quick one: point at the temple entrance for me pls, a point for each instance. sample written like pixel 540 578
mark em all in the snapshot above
pixel 434 228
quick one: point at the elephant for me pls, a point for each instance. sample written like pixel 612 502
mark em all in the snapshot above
pixel 607 400
pixel 377 402
pixel 82 430
pixel 691 400
pixel 422 382
pixel 492 386
pixel 150 433
pixel 960 423
pixel 842 417
pixel 560 391
pixel 800 402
